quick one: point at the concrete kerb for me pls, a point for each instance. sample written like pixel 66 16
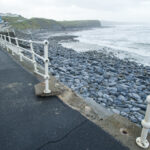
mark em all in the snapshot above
pixel 119 127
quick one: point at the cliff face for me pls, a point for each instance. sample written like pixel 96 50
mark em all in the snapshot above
pixel 80 24
pixel 21 23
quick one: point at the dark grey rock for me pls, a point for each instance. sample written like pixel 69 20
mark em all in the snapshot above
pixel 124 114
pixel 112 90
pixel 127 110
pixel 121 98
pixel 134 96
pixel 133 119
pixel 116 111
pixel 134 109
pixel 100 94
pixel 141 106
pixel 122 88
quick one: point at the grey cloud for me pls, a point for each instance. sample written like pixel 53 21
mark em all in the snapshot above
pixel 127 10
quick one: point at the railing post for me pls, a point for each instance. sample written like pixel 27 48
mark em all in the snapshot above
pixel 1 40
pixel 8 32
pixel 33 56
pixel 19 51
pixel 8 39
pixel 5 41
pixel 10 44
pixel 46 61
pixel 142 141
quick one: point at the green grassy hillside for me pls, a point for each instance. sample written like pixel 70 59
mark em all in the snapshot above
pixel 22 23
pixel 80 23
pixel 13 20
pixel 33 23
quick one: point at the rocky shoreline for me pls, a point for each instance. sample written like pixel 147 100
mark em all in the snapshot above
pixel 118 85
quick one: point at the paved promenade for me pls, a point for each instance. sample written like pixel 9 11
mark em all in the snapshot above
pixel 28 122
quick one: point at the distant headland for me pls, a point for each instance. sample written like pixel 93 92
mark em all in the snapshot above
pixel 21 23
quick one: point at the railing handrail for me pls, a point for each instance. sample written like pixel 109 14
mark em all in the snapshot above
pixel 23 40
pixel 11 46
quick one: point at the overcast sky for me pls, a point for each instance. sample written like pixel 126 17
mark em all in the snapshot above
pixel 113 10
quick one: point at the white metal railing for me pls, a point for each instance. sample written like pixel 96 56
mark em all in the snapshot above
pixel 15 48
pixel 142 141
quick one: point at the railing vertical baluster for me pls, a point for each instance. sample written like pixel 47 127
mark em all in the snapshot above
pixel 1 40
pixel 5 41
pixel 8 32
pixel 47 90
pixel 33 56
pixel 142 141
pixel 8 39
pixel 7 44
pixel 19 50
pixel 10 44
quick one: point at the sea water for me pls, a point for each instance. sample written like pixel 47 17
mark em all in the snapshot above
pixel 125 41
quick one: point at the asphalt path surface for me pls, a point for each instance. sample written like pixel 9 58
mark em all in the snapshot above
pixel 28 122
